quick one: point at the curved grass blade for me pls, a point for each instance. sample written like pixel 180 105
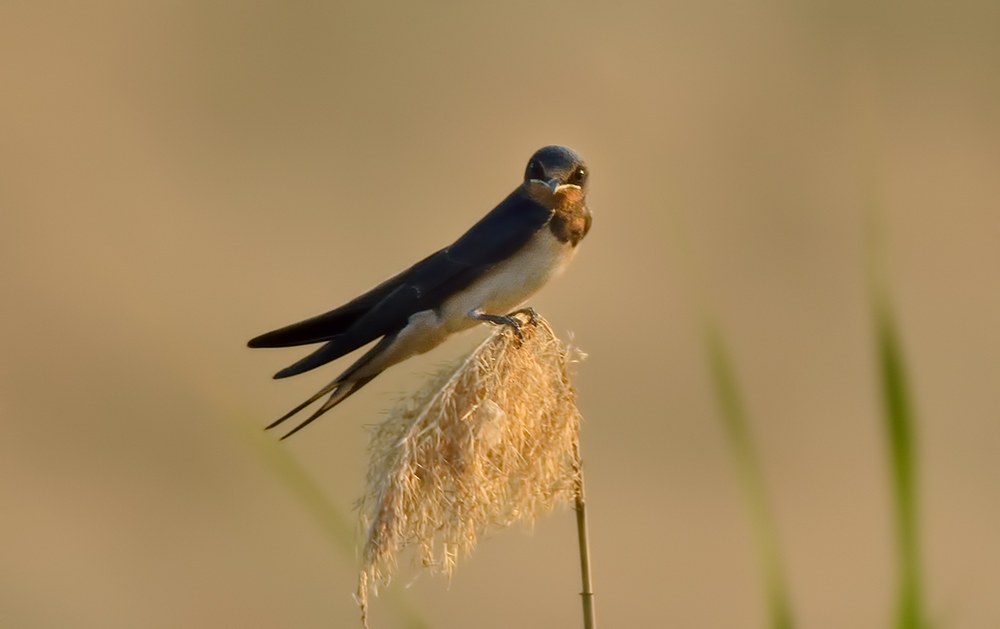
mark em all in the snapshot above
pixel 734 419
pixel 333 520
pixel 901 444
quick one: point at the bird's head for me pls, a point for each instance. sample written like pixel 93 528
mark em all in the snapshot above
pixel 556 177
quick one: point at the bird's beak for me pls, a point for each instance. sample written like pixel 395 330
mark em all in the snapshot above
pixel 552 185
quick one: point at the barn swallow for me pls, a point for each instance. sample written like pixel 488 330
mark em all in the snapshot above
pixel 483 276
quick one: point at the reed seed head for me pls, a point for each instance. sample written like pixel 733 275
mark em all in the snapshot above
pixel 489 440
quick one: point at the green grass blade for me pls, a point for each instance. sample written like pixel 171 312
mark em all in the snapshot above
pixel 901 444
pixel 899 424
pixel 334 521
pixel 737 428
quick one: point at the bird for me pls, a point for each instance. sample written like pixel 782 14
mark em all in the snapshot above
pixel 483 277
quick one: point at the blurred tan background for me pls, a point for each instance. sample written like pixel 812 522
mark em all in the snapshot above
pixel 176 177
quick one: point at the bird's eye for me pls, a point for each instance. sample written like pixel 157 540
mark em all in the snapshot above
pixel 578 176
pixel 535 171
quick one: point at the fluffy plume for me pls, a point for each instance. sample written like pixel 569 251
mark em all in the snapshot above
pixel 491 439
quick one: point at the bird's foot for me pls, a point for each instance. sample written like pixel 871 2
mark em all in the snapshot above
pixel 507 320
pixel 529 312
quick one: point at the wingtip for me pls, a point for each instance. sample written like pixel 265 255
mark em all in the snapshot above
pixel 264 341
pixel 291 432
pixel 276 422
pixel 311 419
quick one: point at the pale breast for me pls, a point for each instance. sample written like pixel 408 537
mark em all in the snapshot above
pixel 510 283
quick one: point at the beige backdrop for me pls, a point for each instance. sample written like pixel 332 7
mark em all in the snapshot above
pixel 176 177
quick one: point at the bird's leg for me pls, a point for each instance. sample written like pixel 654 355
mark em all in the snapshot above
pixel 514 324
pixel 529 311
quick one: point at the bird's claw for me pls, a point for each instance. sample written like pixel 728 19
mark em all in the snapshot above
pixel 507 320
pixel 515 326
pixel 529 312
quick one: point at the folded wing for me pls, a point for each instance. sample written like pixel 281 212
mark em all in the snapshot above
pixel 387 308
